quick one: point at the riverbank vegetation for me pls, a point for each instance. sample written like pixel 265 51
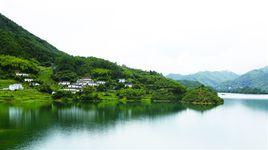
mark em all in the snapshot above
pixel 28 98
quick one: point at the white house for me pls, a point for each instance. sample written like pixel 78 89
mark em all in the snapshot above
pixel 22 74
pixel 101 82
pixel 72 90
pixel 129 85
pixel 35 84
pixel 64 83
pixel 74 86
pixel 122 80
pixel 86 82
pixel 28 80
pixel 82 83
pixel 14 87
pixel 92 84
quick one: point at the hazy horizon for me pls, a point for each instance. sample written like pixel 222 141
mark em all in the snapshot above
pixel 181 37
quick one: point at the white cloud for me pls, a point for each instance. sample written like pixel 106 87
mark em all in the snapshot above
pixel 164 35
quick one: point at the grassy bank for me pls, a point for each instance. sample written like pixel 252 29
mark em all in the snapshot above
pixel 27 98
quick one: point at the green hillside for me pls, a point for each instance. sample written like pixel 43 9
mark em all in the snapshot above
pixel 208 78
pixel 21 51
pixel 190 84
pixel 10 64
pixel 16 41
pixel 19 43
pixel 202 95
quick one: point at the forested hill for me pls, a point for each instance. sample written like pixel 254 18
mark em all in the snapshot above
pixel 16 41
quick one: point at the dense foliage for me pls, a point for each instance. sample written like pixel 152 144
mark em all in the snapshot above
pixel 131 94
pixel 190 84
pixel 70 68
pixel 10 64
pixel 202 95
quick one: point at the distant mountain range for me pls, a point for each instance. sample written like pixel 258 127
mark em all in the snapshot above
pixel 255 81
pixel 208 78
pixel 257 78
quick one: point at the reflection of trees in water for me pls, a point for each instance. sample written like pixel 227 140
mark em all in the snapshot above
pixel 200 108
pixel 100 118
pixel 19 126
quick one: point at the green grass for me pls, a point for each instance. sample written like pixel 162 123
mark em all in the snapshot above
pixel 45 75
pixel 107 96
pixel 27 97
pixel 6 83
pixel 112 98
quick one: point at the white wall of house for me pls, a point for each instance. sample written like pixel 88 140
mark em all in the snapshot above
pixel 14 87
pixel 28 80
pixel 122 80
pixel 64 83
pixel 22 74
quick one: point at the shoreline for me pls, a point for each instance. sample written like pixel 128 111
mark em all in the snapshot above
pixel 239 96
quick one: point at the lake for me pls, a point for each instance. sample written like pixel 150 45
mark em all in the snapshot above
pixel 241 123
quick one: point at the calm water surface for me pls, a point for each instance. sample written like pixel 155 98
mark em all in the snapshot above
pixel 240 123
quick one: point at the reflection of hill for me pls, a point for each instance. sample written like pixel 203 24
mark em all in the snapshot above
pixel 96 118
pixel 19 126
pixel 200 108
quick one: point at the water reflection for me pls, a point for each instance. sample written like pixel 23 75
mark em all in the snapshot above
pixel 200 108
pixel 103 116
pixel 256 105
pixel 19 127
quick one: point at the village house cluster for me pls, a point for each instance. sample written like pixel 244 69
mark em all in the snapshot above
pixel 67 85
pixel 26 78
pixel 18 86
pixel 84 82
pixel 79 84
pixel 124 82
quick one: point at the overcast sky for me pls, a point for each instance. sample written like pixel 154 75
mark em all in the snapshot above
pixel 180 36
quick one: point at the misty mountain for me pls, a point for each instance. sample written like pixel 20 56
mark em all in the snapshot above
pixel 208 78
pixel 257 78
